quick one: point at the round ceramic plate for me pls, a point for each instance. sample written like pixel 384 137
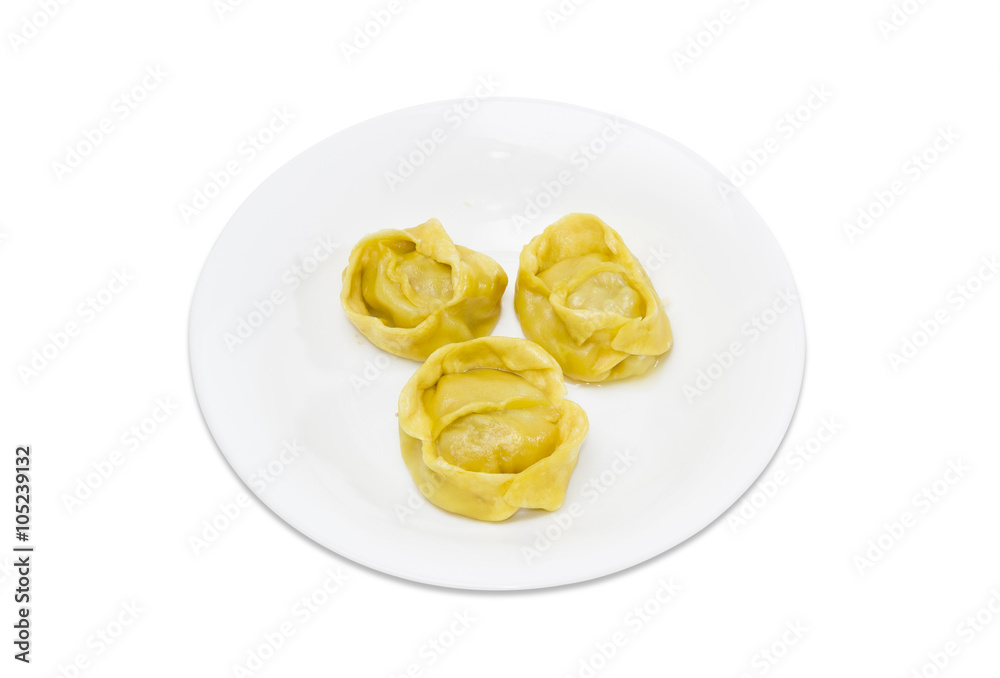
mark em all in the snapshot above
pixel 304 408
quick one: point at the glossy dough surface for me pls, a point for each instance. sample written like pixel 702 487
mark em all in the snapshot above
pixel 585 298
pixel 485 429
pixel 412 291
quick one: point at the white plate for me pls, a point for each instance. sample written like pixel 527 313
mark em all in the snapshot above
pixel 305 375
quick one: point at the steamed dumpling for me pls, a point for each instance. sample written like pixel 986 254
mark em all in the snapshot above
pixel 485 430
pixel 586 299
pixel 411 292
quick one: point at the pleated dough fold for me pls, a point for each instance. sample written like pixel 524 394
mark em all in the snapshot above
pixel 585 298
pixel 484 428
pixel 412 291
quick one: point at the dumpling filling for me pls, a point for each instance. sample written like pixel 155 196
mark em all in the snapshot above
pixel 494 421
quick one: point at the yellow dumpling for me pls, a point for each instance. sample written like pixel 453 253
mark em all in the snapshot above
pixel 485 430
pixel 586 299
pixel 411 292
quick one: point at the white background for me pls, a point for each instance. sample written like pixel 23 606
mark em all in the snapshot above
pixel 795 560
